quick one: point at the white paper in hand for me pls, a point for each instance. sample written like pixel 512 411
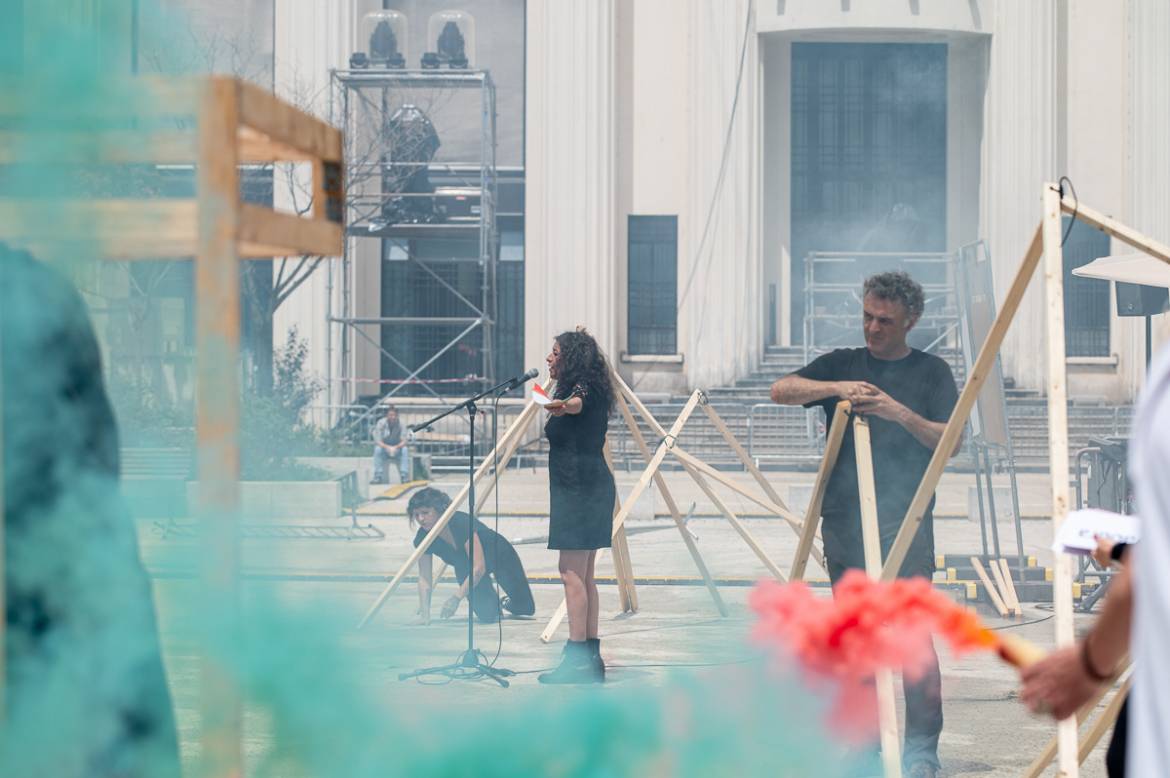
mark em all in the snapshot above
pixel 539 396
pixel 1079 531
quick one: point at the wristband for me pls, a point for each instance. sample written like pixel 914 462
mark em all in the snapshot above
pixel 1117 550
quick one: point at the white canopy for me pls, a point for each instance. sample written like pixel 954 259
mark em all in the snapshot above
pixel 1128 268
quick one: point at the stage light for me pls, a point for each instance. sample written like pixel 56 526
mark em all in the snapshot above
pixel 384 32
pixel 454 35
pixel 413 141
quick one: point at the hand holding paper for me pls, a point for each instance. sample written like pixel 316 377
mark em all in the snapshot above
pixel 540 397
pixel 1079 531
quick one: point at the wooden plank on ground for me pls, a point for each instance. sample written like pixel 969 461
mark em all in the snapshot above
pixel 992 592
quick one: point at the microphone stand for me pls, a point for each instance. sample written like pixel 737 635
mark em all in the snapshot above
pixel 471 664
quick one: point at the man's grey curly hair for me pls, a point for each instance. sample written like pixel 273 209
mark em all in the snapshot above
pixel 899 287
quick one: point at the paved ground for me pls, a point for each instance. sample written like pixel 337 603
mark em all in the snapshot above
pixel 676 630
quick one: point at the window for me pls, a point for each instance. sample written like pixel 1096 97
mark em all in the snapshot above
pixel 1086 300
pixel 869 152
pixel 653 285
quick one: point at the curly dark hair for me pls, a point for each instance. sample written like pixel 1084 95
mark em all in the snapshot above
pixel 897 286
pixel 427 498
pixel 581 362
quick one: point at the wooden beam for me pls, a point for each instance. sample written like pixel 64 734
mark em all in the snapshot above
pixel 992 592
pixel 692 464
pixel 558 616
pixel 1104 722
pixel 624 572
pixel 812 515
pixel 958 420
pixel 1000 584
pixel 1058 447
pixel 1011 599
pixel 743 455
pixel 1116 229
pixel 639 487
pixel 739 527
pixel 217 415
pixel 283 124
pixel 295 234
pixel 1040 764
pixel 872 547
pixel 664 447
pixel 622 567
pixel 457 502
pixel 671 506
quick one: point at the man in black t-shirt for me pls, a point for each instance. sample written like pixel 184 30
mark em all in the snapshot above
pixel 906 396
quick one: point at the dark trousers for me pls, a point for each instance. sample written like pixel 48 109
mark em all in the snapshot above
pixel 924 714
pixel 1115 756
pixel 510 576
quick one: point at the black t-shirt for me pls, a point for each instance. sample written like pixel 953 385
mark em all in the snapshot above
pixel 924 384
pixel 456 556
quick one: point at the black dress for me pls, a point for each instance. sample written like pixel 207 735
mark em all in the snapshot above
pixel 581 487
pixel 500 562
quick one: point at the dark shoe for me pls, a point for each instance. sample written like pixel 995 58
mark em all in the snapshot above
pixel 595 656
pixel 576 666
pixel 922 770
pixel 376 480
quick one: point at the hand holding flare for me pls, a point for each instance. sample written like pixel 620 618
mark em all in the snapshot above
pixel 867 626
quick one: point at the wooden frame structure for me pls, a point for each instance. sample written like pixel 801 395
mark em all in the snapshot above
pixel 1046 245
pixel 702 474
pixel 234 122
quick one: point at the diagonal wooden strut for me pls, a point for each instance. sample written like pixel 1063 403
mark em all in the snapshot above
pixel 509 442
pixel 694 466
pixel 668 498
pixel 812 516
pixel 958 420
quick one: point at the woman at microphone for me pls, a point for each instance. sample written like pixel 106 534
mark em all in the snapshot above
pixel 582 493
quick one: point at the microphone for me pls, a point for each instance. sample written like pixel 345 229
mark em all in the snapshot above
pixel 520 379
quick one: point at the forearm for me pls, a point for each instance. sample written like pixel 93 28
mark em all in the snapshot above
pixel 424 596
pixel 1108 641
pixel 926 432
pixel 797 390
pixel 469 583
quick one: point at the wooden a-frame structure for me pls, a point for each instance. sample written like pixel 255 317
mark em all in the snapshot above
pixel 235 122
pixel 1046 245
pixel 701 472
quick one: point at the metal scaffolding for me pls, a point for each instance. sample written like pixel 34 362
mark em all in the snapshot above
pixel 421 208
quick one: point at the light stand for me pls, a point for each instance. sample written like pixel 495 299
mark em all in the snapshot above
pixel 471 664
